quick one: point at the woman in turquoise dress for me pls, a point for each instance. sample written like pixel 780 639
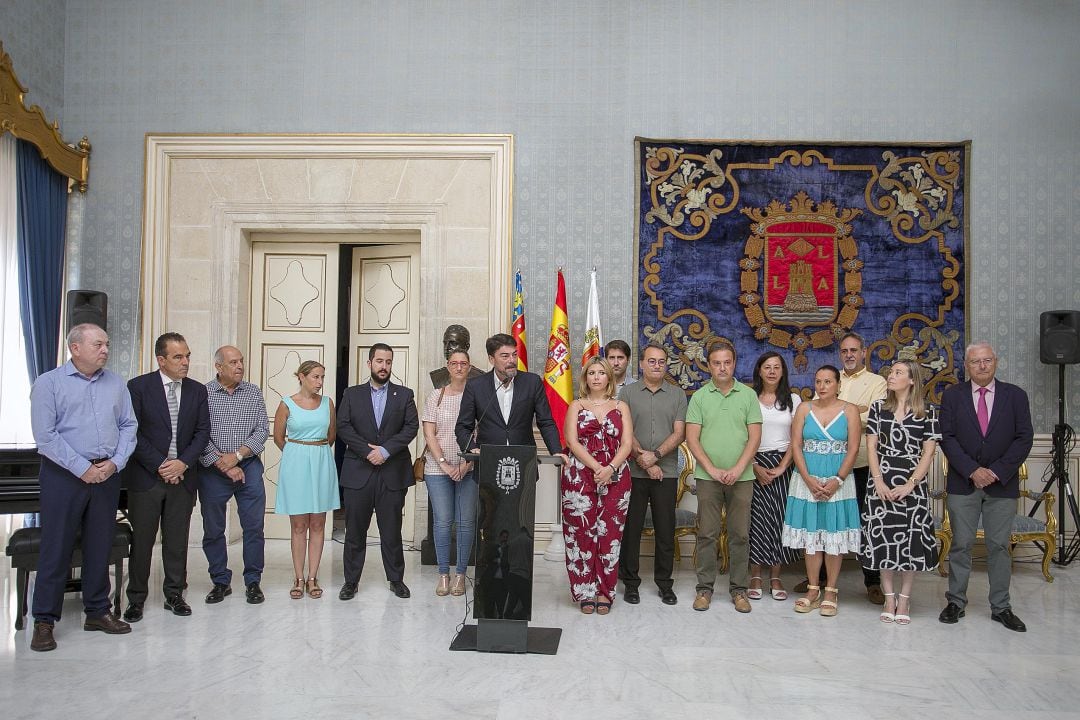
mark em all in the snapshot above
pixel 822 514
pixel 304 430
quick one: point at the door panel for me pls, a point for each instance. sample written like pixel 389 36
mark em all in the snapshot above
pixel 294 312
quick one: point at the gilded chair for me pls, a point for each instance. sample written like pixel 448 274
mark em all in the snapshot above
pixel 686 474
pixel 1024 529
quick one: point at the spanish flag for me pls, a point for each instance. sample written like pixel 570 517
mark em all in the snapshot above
pixel 558 376
pixel 517 329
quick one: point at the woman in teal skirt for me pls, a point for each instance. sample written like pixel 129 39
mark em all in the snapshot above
pixel 822 514
pixel 304 429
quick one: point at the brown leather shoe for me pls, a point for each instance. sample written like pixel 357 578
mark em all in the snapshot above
pixel 875 595
pixel 703 600
pixel 107 623
pixel 741 602
pixel 43 638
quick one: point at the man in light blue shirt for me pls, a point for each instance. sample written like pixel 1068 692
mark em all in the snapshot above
pixel 84 427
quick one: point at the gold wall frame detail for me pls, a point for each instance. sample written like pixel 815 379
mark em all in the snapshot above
pixel 31 125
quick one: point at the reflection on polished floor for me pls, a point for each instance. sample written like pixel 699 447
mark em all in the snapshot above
pixel 380 657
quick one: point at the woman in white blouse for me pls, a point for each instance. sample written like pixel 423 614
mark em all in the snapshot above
pixel 772 472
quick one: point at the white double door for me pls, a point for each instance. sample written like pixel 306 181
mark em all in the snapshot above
pixel 296 306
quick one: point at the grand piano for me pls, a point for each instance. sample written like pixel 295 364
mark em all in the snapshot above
pixel 20 490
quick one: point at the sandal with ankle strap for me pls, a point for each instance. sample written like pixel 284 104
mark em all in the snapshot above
pixel 903 619
pixel 777 593
pixel 828 607
pixel 805 604
pixel 754 593
pixel 886 616
pixel 297 591
pixel 313 589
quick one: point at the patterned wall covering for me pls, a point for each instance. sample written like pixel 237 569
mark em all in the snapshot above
pixel 576 82
pixel 33 35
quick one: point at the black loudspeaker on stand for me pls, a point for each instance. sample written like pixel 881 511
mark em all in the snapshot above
pixel 87 306
pixel 1059 344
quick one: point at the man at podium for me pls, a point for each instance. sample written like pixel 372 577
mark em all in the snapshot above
pixel 498 407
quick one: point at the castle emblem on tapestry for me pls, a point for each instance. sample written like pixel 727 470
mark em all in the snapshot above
pixel 787 246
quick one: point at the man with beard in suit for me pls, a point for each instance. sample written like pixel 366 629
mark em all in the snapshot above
pixel 376 420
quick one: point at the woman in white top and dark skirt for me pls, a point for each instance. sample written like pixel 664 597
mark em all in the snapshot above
pixel 772 473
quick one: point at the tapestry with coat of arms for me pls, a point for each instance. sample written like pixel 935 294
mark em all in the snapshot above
pixel 786 246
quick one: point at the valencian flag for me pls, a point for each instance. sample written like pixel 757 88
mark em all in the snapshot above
pixel 594 338
pixel 517 329
pixel 558 378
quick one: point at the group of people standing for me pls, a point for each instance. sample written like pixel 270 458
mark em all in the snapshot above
pixel 792 476
pixel 842 473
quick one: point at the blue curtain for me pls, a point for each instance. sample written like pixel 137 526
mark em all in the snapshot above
pixel 42 219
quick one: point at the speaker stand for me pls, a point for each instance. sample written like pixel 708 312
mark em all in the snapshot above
pixel 1063 444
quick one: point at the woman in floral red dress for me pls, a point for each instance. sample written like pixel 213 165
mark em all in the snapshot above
pixel 595 487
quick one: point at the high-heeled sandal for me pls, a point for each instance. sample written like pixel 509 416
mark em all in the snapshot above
pixel 805 604
pixel 754 593
pixel 828 607
pixel 443 588
pixel 458 587
pixel 588 607
pixel 903 618
pixel 297 591
pixel 886 616
pixel 603 607
pixel 777 593
pixel 313 589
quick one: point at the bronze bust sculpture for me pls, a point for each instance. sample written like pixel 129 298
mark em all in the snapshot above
pixel 455 339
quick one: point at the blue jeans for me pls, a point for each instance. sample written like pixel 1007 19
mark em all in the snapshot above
pixel 215 490
pixel 453 502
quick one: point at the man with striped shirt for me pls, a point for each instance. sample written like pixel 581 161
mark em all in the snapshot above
pixel 238 431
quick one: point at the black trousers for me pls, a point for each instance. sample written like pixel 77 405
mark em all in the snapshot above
pixel 69 507
pixel 386 504
pixel 660 496
pixel 168 507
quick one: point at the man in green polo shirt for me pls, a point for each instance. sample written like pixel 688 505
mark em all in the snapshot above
pixel 723 431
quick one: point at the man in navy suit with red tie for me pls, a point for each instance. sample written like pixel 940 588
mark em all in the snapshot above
pixel 986 435
pixel 376 421
pixel 163 477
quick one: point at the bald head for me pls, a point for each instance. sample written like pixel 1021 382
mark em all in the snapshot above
pixel 229 363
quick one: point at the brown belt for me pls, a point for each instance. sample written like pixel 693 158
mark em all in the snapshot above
pixel 324 441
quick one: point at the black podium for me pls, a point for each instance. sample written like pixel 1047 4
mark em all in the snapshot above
pixel 502 607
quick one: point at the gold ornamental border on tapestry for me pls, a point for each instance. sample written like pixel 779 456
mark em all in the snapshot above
pixel 30 124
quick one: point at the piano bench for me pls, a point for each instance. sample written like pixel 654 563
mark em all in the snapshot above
pixel 24 547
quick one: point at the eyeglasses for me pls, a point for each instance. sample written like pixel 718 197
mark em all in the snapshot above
pixel 656 362
pixel 458 364
pixel 981 362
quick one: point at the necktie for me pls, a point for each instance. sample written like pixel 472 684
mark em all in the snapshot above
pixel 982 412
pixel 174 413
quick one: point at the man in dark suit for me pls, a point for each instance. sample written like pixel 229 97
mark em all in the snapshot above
pixel 500 405
pixel 986 435
pixel 174 427
pixel 376 421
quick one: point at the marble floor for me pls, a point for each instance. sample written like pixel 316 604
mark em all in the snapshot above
pixel 377 656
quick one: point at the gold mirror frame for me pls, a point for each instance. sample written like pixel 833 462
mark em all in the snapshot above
pixel 30 124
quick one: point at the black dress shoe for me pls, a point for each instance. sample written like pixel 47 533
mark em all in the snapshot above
pixel 348 591
pixel 632 596
pixel 43 637
pixel 400 589
pixel 668 597
pixel 107 623
pixel 177 605
pixel 1006 618
pixel 254 593
pixel 218 593
pixel 951 614
pixel 134 612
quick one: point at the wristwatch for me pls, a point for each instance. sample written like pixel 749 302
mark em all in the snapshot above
pixel 442 460
pixel 239 457
pixel 657 452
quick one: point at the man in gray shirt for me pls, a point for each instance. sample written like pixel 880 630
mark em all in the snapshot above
pixel 658 410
